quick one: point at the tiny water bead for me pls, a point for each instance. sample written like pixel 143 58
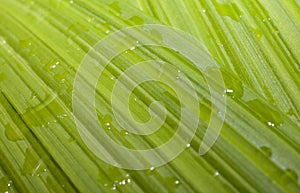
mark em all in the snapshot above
pixel 257 32
pixel 62 116
pixel 25 43
pixel 90 19
pixel 138 44
pixel 6 185
pixel 230 10
pixel 106 121
pixel 290 178
pixel 266 151
pixel 54 65
pixel 12 133
pixel 33 165
pixel 203 10
pixel 216 173
pixel 229 91
pixel 270 124
pixel 124 132
pixel 2 42
pixel 51 65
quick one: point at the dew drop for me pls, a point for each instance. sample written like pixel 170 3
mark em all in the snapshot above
pixel 270 124
pixel 203 10
pixel 136 20
pixel 12 134
pixel 216 173
pixel 124 132
pixel 138 44
pixel 25 43
pixel 90 19
pixel 290 177
pixel 229 91
pixel 5 184
pixel 266 151
pixel 258 34
pixel 33 165
pixel 188 145
pixel 123 182
pixel 2 41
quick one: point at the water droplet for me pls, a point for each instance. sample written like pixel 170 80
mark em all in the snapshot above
pixel 62 116
pixel 270 124
pixel 177 182
pixel 229 91
pixel 132 48
pixel 12 134
pixel 61 77
pixel 258 34
pixel 188 145
pixel 152 169
pixel 51 65
pixel 266 151
pixel 216 173
pixel 138 44
pixel 106 121
pixel 115 6
pixel 5 184
pixel 265 113
pixel 90 19
pixel 123 182
pixel 203 10
pixel 289 177
pixel 33 165
pixel 124 132
pixel 136 20
pixel 25 43
pixel 71 1
pixel 107 31
pixel 228 9
pixel 2 41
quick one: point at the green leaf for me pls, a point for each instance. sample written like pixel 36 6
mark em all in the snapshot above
pixel 42 44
